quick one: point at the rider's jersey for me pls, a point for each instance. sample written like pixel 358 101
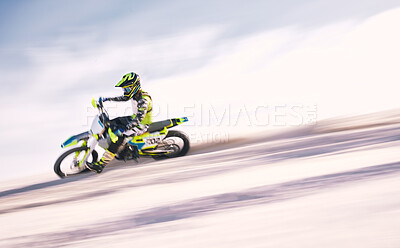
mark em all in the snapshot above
pixel 144 109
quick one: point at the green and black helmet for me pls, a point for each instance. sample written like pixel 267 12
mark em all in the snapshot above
pixel 130 83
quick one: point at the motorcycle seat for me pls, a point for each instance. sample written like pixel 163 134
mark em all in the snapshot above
pixel 158 126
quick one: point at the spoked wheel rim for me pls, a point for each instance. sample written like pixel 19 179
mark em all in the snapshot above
pixel 176 143
pixel 68 163
pixel 173 144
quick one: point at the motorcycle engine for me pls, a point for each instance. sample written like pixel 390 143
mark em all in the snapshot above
pixel 129 152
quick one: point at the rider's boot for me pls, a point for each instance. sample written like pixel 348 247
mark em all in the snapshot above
pixel 99 166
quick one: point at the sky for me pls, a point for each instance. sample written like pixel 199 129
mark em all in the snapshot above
pixel 231 66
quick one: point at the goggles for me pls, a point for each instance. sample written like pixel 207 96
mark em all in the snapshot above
pixel 128 89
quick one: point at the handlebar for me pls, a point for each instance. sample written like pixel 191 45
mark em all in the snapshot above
pixel 99 106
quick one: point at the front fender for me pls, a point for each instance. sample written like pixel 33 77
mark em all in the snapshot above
pixel 73 140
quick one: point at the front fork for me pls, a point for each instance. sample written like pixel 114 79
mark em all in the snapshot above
pixel 93 141
pixel 77 154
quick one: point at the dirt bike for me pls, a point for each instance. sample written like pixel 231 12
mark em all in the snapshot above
pixel 158 142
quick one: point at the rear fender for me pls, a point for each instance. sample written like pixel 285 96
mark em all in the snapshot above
pixel 177 121
pixel 73 140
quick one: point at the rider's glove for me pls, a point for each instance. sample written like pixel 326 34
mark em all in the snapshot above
pixel 103 99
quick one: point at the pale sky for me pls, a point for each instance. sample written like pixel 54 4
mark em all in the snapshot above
pixel 342 56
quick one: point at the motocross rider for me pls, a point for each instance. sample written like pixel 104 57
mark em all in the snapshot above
pixel 128 125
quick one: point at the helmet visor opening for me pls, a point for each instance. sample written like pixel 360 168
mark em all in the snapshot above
pixel 128 89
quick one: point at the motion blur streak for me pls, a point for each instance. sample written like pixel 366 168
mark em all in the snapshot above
pixel 191 55
pixel 257 80
pixel 330 185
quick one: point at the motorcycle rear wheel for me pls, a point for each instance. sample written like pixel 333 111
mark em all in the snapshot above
pixel 180 141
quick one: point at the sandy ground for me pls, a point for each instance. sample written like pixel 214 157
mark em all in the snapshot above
pixel 334 187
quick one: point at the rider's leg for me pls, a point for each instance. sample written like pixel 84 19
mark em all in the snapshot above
pixel 108 156
pixel 99 166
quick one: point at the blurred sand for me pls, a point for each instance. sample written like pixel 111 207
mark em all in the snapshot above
pixel 335 184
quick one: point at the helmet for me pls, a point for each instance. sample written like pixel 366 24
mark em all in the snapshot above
pixel 130 83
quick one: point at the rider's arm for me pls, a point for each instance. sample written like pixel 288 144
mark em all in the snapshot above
pixel 116 99
pixel 142 108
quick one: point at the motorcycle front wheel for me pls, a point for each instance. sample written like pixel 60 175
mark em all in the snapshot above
pixel 68 163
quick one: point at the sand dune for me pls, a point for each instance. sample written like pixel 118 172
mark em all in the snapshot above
pixel 327 186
